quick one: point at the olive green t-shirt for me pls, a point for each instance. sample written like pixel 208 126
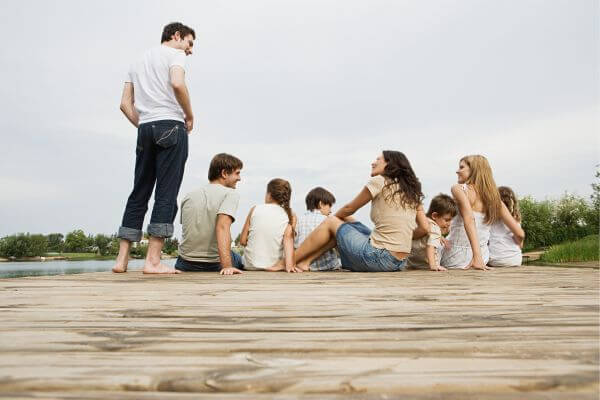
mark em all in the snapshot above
pixel 199 210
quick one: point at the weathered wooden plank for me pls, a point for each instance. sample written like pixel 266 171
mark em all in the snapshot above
pixel 529 332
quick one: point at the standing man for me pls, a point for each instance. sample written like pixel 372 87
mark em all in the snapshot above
pixel 156 101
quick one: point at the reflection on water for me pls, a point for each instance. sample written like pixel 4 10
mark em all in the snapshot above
pixel 61 267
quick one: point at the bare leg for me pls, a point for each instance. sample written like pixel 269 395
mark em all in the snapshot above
pixel 304 265
pixel 123 257
pixel 153 264
pixel 319 238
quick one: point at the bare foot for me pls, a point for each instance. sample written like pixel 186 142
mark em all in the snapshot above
pixel 278 266
pixel 303 265
pixel 120 266
pixel 159 269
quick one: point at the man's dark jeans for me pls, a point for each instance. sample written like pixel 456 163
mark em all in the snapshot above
pixel 162 149
pixel 184 265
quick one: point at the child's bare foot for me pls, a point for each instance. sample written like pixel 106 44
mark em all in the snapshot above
pixel 159 268
pixel 278 266
pixel 303 265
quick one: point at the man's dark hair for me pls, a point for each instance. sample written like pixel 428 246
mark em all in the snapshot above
pixel 223 162
pixel 442 204
pixel 169 30
pixel 317 195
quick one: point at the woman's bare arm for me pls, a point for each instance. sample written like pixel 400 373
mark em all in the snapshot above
pixel 464 207
pixel 246 229
pixel 512 224
pixel 423 227
pixel 288 249
pixel 360 200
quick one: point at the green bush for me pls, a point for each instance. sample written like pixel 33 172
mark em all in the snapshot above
pixel 102 242
pixel 76 241
pixel 139 250
pixel 586 249
pixel 551 222
pixel 56 242
pixel 23 245
pixel 171 246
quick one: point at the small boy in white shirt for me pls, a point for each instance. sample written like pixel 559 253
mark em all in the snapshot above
pixel 426 251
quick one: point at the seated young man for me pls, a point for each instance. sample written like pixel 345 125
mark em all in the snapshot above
pixel 206 217
pixel 318 204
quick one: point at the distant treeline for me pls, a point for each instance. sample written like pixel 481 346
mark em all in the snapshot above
pixel 33 245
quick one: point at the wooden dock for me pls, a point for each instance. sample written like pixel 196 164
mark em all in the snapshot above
pixel 521 333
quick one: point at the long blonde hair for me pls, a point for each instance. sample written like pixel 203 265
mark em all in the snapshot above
pixel 509 198
pixel 482 180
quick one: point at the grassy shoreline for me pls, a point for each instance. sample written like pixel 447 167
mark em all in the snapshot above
pixel 582 250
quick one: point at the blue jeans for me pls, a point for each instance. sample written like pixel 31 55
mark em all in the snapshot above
pixel 185 265
pixel 357 253
pixel 161 153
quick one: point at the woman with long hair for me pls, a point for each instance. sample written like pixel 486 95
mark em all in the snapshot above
pixel 395 195
pixel 479 206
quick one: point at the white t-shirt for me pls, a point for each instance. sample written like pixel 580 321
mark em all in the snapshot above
pixel 154 98
pixel 265 238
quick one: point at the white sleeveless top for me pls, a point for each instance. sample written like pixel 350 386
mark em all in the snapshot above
pixel 265 239
pixel 459 255
pixel 503 249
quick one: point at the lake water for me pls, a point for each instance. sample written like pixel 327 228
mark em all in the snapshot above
pixel 61 267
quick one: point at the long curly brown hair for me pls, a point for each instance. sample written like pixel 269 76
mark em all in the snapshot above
pixel 403 186
pixel 281 191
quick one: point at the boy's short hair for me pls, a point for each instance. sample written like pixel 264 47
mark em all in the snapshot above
pixel 223 161
pixel 317 195
pixel 442 204
pixel 170 29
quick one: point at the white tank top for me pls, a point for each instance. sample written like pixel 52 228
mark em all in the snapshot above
pixel 265 239
pixel 502 246
pixel 460 254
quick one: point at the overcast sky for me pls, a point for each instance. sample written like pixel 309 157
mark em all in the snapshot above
pixel 310 91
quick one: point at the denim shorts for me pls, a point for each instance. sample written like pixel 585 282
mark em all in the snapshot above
pixel 357 253
pixel 197 266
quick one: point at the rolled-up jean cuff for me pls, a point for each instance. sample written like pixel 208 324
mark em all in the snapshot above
pixel 160 230
pixel 133 235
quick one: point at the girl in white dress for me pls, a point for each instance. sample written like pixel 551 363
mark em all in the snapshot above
pixel 479 206
pixel 505 251
pixel 268 234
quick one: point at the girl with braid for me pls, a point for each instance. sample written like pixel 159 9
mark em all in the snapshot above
pixel 505 250
pixel 268 234
pixel 395 195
